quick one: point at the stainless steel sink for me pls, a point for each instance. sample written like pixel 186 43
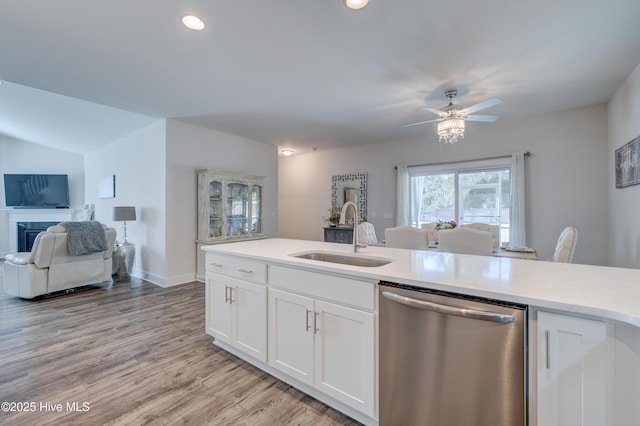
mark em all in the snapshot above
pixel 344 259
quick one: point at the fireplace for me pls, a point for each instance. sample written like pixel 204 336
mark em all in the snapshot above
pixel 33 215
pixel 28 231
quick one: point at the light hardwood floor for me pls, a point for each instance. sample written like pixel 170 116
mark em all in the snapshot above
pixel 134 353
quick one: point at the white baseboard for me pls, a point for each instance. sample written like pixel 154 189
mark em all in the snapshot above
pixel 165 281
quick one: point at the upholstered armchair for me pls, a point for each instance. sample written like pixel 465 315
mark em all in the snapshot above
pixel 50 267
pixel 494 230
pixel 367 233
pixel 566 245
pixel 465 240
pixel 430 229
pixel 406 237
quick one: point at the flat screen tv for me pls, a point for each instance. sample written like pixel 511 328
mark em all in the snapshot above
pixel 36 191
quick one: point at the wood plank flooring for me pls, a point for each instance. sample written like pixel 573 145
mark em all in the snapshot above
pixel 130 354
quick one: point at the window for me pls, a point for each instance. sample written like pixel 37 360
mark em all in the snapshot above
pixel 467 192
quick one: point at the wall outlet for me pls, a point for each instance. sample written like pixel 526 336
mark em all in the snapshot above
pixel 387 215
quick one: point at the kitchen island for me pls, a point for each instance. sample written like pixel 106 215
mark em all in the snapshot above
pixel 591 312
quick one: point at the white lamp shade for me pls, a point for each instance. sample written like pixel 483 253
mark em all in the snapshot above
pixel 126 213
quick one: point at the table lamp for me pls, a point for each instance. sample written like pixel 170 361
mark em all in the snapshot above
pixel 124 214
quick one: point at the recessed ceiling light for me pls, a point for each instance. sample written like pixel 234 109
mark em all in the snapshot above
pixel 287 152
pixel 356 4
pixel 193 22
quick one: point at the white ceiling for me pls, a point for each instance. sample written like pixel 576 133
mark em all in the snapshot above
pixel 300 73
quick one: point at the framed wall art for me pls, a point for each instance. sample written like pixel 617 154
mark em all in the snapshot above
pixel 107 187
pixel 627 159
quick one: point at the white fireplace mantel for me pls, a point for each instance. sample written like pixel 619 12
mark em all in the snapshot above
pixel 34 215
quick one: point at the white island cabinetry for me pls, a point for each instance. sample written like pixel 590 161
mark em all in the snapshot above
pixel 584 324
pixel 572 370
pixel 236 304
pixel 319 334
pixel 322 333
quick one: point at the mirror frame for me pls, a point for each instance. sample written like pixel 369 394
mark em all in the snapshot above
pixel 339 182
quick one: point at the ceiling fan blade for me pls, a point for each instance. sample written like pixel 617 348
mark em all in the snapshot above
pixel 487 118
pixel 482 105
pixel 433 110
pixel 421 122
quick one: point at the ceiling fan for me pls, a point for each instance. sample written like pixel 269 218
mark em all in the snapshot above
pixel 452 117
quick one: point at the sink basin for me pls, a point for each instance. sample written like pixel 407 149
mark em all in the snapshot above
pixel 345 259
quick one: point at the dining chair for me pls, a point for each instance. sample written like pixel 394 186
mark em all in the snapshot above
pixel 406 237
pixel 465 240
pixel 367 233
pixel 430 228
pixel 493 229
pixel 566 245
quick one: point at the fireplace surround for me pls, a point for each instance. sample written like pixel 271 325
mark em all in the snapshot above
pixel 34 215
pixel 28 231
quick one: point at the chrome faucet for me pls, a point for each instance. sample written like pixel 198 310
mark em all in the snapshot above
pixel 343 214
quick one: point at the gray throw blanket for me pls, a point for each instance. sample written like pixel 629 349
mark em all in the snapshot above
pixel 85 237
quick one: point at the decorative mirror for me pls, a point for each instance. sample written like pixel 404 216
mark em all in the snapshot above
pixel 350 187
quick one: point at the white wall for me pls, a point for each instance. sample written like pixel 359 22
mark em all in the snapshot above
pixel 25 157
pixel 189 148
pixel 566 177
pixel 155 172
pixel 138 161
pixel 624 203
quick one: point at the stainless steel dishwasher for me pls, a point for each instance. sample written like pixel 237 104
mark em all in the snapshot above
pixel 448 359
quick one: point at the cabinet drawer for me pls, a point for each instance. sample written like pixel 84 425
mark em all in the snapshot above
pixel 360 294
pixel 338 235
pixel 238 268
pixel 344 237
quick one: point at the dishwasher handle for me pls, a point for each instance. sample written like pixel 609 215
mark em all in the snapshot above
pixel 449 310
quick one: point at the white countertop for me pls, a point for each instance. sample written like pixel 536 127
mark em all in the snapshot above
pixel 605 292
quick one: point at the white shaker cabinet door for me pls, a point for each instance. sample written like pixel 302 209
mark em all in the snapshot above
pixel 291 334
pixel 249 318
pixel 571 371
pixel 218 315
pixel 236 313
pixel 344 355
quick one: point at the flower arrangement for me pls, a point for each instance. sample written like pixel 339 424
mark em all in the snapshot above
pixel 440 224
pixel 334 216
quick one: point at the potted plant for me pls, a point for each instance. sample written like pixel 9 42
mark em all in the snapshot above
pixel 334 216
pixel 445 225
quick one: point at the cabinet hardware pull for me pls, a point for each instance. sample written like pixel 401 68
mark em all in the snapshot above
pixel 547 349
pixel 306 319
pixel 246 271
pixel 226 294
pixel 216 265
pixel 450 310
pixel 230 295
pixel 315 322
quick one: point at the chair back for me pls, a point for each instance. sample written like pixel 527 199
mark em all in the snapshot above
pixel 566 245
pixel 494 230
pixel 465 240
pixel 430 228
pixel 406 237
pixel 367 233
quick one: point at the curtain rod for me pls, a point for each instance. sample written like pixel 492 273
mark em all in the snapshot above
pixel 526 154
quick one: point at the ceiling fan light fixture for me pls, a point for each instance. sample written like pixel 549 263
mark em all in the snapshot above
pixel 451 129
pixel 356 4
